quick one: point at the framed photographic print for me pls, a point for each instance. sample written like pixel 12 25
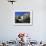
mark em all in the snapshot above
pixel 23 18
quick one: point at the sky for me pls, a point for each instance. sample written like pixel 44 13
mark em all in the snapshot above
pixel 21 13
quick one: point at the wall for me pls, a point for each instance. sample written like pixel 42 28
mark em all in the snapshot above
pixel 9 31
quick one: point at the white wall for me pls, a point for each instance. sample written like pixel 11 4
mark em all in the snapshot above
pixel 9 31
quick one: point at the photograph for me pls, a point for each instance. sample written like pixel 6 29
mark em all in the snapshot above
pixel 23 18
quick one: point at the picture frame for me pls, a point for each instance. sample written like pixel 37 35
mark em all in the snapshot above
pixel 23 18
